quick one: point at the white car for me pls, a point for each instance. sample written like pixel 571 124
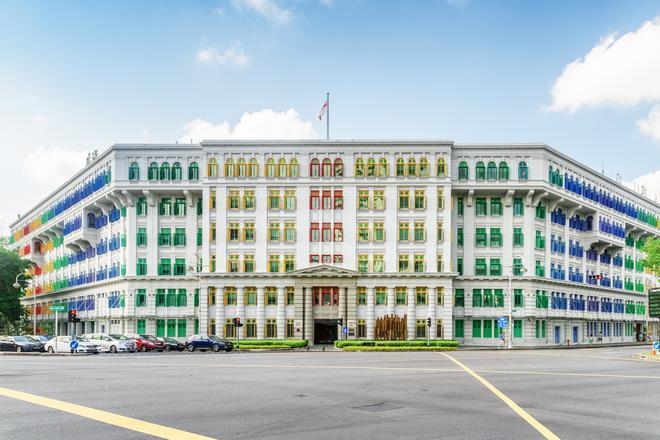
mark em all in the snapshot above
pixel 84 345
pixel 111 343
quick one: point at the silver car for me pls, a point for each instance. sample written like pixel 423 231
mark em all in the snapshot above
pixel 61 345
pixel 111 343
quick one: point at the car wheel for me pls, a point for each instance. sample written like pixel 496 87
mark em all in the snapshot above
pixel 18 349
pixel 50 350
pixel 168 348
pixel 143 349
pixel 191 348
pixel 216 348
pixel 228 349
pixel 113 349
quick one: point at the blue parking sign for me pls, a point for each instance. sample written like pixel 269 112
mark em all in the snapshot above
pixel 502 322
pixel 656 345
pixel 73 344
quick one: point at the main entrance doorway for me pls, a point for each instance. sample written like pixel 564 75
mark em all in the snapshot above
pixel 325 331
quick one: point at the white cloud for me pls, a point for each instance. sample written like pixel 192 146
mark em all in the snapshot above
pixel 262 124
pixel 52 165
pixel 39 119
pixel 650 125
pixel 327 3
pixel 269 9
pixel 650 182
pixel 233 55
pixel 619 71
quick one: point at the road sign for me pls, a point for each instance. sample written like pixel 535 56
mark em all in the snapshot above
pixel 502 322
pixel 73 344
pixel 656 345
pixel 58 308
pixel 654 303
pixel 346 330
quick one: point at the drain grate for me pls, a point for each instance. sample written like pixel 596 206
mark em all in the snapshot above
pixel 377 407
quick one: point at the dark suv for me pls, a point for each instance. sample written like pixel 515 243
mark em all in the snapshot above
pixel 204 342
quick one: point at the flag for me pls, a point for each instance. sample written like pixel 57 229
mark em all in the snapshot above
pixel 324 109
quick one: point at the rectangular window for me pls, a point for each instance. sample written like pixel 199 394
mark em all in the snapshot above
pixel 289 263
pixel 314 233
pixel 273 263
pixel 499 298
pixel 234 232
pixel 419 230
pixel 421 296
pixel 381 296
pixel 274 199
pixel 230 329
pixel 141 326
pixel 517 298
pixel 141 206
pixel 495 237
pixel 179 206
pixel 540 211
pixel 476 328
pixel 441 232
pixel 326 232
pixel 379 263
pixel 314 199
pixel 248 263
pixel 361 296
pixel 363 263
pixel 488 298
pixel 379 200
pixel 459 298
pixel 179 237
pixel 379 231
pixel 418 263
pixel 160 328
pixel 211 296
pixel 363 199
pixel 290 199
pixel 250 296
pixel 232 263
pixel 339 232
pixel 460 206
pixel 518 207
pixel 326 201
pixel 290 293
pixel 458 328
pixel 170 300
pixel 212 199
pixel 518 238
pixel 459 265
pixel 361 330
pixel 404 231
pixel 274 231
pixel 495 206
pixel 420 328
pixel 488 328
pixel 420 199
pixel 290 333
pixel 160 297
pixel 250 328
pixel 459 236
pixel 439 330
pixel 140 297
pixel 404 199
pixel 440 263
pixel 271 296
pixel 290 232
pixel 477 299
pixel 404 263
pixel 271 328
pixel 182 298
pixel 248 199
pixel 480 207
pixel 234 199
pixel 495 267
pixel 441 199
pixel 165 237
pixel 248 231
pixel 141 267
pixel 480 268
pixel 363 231
pixel 165 267
pixel 339 199
pixel 141 237
pixel 401 294
pixel 517 328
pixel 165 207
pixel 180 266
pixel 481 237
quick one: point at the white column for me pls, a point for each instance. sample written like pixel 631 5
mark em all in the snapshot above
pixel 203 309
pixel 220 311
pixel 433 301
pixel 261 313
pixel 411 313
pixel 371 314
pixel 391 300
pixel 281 312
pixel 240 307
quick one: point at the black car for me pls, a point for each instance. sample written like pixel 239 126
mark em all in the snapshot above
pixel 204 342
pixel 25 343
pixel 7 344
pixel 172 344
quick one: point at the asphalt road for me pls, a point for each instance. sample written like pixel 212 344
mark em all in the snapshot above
pixel 576 394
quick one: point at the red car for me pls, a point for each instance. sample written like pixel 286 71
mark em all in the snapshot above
pixel 142 343
pixel 158 345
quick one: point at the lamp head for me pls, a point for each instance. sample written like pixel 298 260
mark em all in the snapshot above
pixel 16 285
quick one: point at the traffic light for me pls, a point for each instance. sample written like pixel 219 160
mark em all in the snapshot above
pixel 428 322
pixel 340 322
pixel 73 316
pixel 237 322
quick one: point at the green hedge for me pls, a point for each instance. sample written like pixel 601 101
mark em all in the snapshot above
pixel 264 347
pixel 405 348
pixel 420 343
pixel 286 343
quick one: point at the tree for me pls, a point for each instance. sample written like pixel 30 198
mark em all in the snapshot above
pixel 652 260
pixel 12 313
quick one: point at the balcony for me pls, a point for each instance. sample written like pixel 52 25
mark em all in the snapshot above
pixel 81 238
pixel 600 237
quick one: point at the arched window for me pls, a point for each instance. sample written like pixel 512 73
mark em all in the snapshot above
pixel 165 171
pixel 339 167
pixel 134 171
pixel 193 171
pixel 253 169
pixel 314 168
pixel 294 168
pixel 424 167
pixel 271 169
pixel 359 167
pixel 480 171
pixel 91 220
pixel 241 168
pixel 441 167
pixel 281 167
pixel 176 171
pixel 503 171
pixel 371 167
pixel 382 167
pixel 523 171
pixel 152 173
pixel 327 167
pixel 463 171
pixel 400 167
pixel 412 166
pixel 230 170
pixel 491 171
pixel 212 167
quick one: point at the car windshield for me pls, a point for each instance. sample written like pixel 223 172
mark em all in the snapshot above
pixel 120 337
pixel 81 339
pixel 21 339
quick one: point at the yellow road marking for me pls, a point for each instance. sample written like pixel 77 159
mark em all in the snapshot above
pixel 545 432
pixel 552 373
pixel 104 416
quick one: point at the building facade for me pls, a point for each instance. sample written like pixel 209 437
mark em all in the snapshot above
pixel 175 240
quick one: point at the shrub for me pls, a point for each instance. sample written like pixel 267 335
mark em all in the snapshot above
pixel 416 343
pixel 408 348
pixel 264 347
pixel 289 343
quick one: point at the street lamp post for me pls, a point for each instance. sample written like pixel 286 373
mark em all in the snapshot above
pixel 19 285
pixel 198 270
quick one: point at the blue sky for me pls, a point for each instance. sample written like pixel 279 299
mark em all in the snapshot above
pixel 75 76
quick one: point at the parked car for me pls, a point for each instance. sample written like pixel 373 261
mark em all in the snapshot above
pixel 158 344
pixel 61 345
pixel 41 338
pixel 172 344
pixel 111 343
pixel 25 343
pixel 141 343
pixel 7 344
pixel 205 342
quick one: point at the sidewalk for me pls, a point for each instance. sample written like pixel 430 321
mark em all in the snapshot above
pixel 555 347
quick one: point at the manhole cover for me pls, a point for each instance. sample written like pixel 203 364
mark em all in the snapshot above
pixel 377 407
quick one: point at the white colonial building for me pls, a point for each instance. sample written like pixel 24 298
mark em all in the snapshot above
pixel 292 236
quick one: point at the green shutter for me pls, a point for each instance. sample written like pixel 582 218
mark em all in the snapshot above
pixel 181 326
pixel 160 327
pixel 171 328
pixel 141 326
pixel 458 328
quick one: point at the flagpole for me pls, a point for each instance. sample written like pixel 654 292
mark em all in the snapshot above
pixel 327 116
